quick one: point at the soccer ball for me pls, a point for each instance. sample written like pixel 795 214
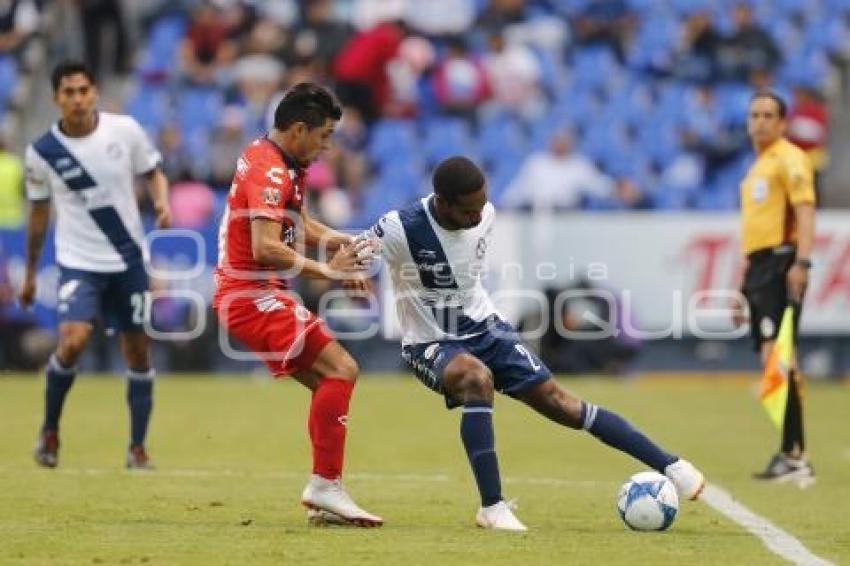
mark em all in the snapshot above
pixel 648 502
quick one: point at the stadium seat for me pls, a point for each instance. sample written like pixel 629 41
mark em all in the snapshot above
pixel 160 56
pixel 392 139
pixel 199 108
pixel 8 78
pixel 445 137
pixel 150 106
pixel 500 140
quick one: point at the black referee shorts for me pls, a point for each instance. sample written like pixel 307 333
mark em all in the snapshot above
pixel 766 291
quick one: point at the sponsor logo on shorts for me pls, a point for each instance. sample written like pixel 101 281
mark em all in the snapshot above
pixel 269 304
pixel 67 290
pixel 430 351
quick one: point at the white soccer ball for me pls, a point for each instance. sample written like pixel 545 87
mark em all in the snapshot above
pixel 648 502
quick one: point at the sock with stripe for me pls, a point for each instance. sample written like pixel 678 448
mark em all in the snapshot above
pixel 617 432
pixel 476 431
pixel 327 425
pixel 140 401
pixel 59 382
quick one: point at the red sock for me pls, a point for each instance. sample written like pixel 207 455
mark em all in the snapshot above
pixel 327 425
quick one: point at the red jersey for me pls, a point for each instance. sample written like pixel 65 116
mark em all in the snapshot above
pixel 267 184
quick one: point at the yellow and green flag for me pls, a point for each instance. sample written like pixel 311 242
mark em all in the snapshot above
pixel 778 371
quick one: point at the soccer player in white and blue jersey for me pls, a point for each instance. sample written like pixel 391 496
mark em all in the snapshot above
pixel 86 164
pixel 459 346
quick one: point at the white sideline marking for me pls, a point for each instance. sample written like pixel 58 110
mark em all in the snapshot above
pixel 775 539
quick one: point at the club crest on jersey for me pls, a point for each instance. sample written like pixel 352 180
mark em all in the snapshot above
pixel 481 248
pixel 114 151
pixel 64 162
pixel 760 189
pixel 271 196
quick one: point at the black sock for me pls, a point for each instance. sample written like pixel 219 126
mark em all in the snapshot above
pixel 792 428
pixel 140 400
pixel 476 431
pixel 615 431
pixel 59 382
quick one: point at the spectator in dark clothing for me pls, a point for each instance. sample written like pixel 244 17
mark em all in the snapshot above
pixel 749 49
pixel 98 18
pixel 698 52
pixel 501 13
pixel 18 22
pixel 606 22
pixel 321 36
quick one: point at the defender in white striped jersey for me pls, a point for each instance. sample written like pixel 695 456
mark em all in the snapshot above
pixel 459 346
pixel 86 164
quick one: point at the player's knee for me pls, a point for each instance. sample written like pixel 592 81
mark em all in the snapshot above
pixel 347 368
pixel 477 384
pixel 72 342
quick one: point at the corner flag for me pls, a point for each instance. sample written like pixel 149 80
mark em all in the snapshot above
pixel 777 372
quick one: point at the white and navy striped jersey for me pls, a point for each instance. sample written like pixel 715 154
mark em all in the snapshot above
pixel 90 179
pixel 436 274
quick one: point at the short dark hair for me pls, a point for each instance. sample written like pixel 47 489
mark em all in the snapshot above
pixel 70 67
pixel 308 103
pixel 457 176
pixel 772 95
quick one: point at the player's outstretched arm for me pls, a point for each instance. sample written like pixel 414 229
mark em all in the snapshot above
pixel 318 234
pixel 39 217
pixel 268 249
pixel 158 188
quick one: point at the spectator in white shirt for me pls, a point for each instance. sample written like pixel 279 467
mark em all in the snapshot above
pixel 557 178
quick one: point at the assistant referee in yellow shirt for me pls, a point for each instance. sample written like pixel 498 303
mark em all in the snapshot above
pixel 777 231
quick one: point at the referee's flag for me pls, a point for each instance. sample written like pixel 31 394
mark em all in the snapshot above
pixel 777 372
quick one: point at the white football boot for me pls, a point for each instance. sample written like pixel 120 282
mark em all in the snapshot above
pixel 688 480
pixel 322 518
pixel 328 495
pixel 499 516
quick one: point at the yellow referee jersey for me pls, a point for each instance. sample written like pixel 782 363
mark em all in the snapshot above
pixel 781 178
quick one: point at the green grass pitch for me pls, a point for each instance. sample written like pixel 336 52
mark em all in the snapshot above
pixel 232 458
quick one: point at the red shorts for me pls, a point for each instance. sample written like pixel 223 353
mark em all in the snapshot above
pixel 281 331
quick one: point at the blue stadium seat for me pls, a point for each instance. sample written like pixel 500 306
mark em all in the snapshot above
pixel 591 67
pixel 150 107
pixel 199 108
pixel 163 42
pixel 500 178
pixel 500 140
pixel 670 198
pixel 8 78
pixel 445 137
pixel 392 139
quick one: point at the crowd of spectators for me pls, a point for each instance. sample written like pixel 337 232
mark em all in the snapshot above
pixel 604 104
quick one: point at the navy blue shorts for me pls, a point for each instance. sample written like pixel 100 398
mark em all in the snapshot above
pixel 119 300
pixel 515 368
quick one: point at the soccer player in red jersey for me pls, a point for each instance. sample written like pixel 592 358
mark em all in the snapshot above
pixel 264 219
